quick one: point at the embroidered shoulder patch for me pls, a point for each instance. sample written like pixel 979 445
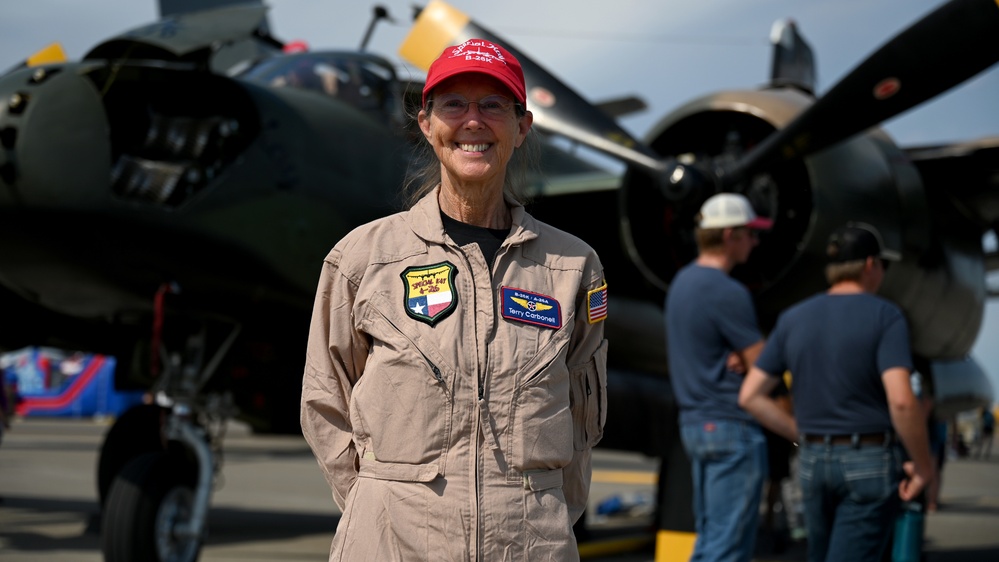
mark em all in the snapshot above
pixel 531 308
pixel 430 293
pixel 596 304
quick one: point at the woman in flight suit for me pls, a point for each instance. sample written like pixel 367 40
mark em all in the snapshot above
pixel 455 380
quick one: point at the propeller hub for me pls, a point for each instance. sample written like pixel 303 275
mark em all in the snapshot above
pixel 688 183
pixel 678 184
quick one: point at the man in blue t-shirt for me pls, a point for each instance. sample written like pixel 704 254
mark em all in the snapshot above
pixel 848 353
pixel 712 338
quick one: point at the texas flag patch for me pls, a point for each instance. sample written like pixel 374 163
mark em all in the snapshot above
pixel 531 308
pixel 430 296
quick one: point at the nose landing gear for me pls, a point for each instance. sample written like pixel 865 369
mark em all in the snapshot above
pixel 155 507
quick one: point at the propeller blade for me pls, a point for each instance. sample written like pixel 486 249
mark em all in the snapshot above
pixel 619 107
pixel 947 47
pixel 50 54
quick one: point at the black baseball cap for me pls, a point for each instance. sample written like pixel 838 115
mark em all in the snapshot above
pixel 858 241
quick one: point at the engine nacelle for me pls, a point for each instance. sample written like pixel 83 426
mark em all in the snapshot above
pixel 866 178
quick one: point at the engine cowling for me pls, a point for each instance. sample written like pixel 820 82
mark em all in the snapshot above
pixel 867 178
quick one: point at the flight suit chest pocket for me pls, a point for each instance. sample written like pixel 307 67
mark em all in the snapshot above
pixel 402 404
pixel 540 415
pixel 588 399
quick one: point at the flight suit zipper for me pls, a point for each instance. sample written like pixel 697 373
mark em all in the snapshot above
pixel 473 460
pixel 440 378
pixel 434 369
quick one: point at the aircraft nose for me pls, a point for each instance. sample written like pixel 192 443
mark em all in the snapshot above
pixel 54 141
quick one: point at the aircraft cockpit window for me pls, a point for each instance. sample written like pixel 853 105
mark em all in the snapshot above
pixel 361 81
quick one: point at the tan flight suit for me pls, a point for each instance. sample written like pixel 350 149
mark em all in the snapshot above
pixel 466 436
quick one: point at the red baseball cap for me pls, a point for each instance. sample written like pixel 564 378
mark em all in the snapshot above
pixel 481 56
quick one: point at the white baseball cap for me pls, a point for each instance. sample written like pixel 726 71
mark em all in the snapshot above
pixel 729 210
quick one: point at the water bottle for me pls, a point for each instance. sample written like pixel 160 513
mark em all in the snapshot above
pixel 908 542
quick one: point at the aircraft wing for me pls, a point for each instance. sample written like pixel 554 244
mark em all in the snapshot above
pixel 965 176
pixel 967 173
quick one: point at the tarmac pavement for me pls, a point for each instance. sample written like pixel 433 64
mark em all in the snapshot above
pixel 271 502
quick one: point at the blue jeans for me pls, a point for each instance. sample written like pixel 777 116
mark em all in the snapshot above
pixel 850 494
pixel 728 462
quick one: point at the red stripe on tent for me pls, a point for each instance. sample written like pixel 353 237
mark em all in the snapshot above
pixel 67 396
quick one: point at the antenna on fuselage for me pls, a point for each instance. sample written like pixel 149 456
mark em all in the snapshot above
pixel 380 13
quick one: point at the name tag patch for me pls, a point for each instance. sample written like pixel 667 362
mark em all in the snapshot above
pixel 430 295
pixel 531 308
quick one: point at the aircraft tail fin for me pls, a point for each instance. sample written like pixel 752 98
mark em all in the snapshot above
pixel 793 63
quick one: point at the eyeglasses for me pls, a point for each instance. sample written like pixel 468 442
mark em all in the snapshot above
pixel 455 105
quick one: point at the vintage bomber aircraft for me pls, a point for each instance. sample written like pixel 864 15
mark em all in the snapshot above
pixel 811 164
pixel 169 199
pixel 186 235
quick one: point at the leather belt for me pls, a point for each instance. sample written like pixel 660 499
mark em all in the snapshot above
pixel 882 438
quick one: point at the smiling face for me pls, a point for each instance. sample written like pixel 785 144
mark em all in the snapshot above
pixel 474 149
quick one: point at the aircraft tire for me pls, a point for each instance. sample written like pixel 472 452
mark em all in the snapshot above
pixel 134 433
pixel 149 497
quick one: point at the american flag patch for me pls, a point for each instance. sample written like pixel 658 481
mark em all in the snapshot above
pixel 596 304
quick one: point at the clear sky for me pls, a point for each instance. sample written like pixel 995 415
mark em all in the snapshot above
pixel 665 51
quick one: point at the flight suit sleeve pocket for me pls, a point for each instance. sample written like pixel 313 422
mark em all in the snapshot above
pixel 589 399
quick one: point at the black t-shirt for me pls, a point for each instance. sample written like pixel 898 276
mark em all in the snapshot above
pixel 488 239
